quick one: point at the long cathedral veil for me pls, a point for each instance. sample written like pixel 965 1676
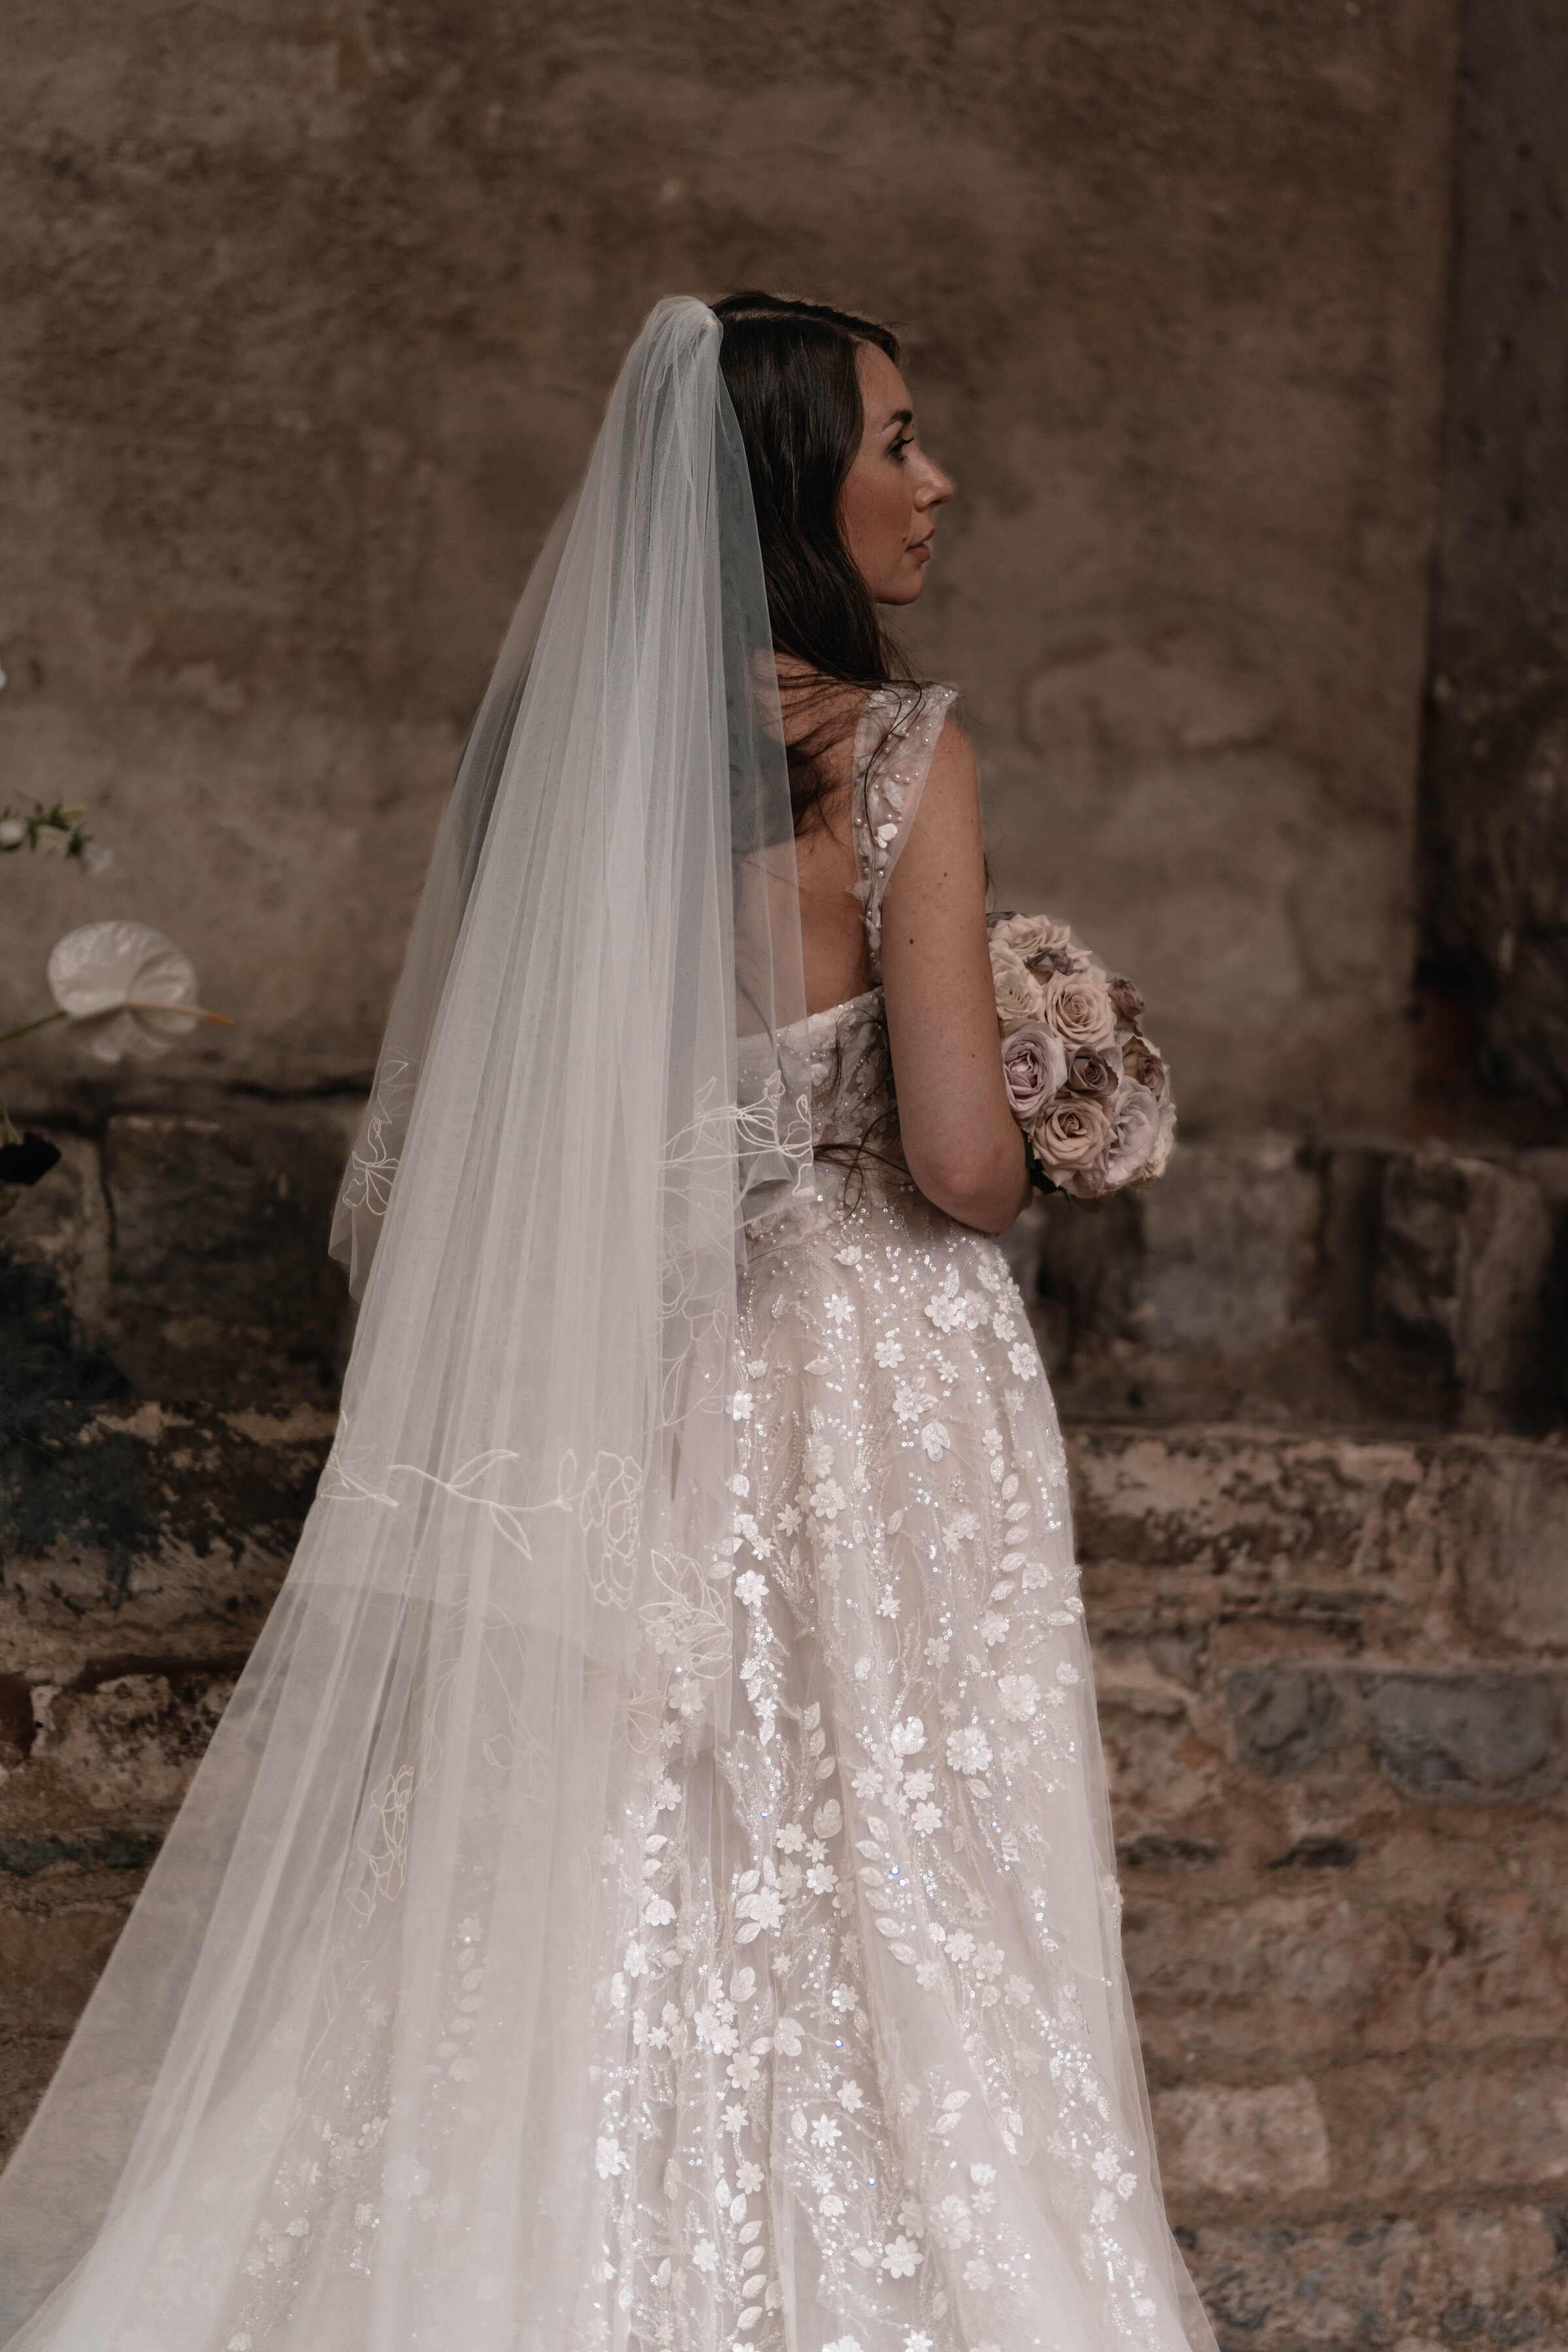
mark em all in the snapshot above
pixel 387 1867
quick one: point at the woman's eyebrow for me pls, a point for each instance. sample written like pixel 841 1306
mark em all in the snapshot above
pixel 899 416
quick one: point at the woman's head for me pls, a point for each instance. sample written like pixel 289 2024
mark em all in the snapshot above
pixel 845 500
pixel 844 496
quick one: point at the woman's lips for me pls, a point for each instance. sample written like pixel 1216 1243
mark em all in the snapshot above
pixel 921 550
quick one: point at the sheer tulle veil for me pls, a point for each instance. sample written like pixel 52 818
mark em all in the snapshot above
pixel 519 1550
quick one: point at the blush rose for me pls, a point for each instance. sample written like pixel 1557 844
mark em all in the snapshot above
pixel 1072 1133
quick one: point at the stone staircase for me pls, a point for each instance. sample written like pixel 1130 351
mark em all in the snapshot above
pixel 1333 1679
pixel 1332 1660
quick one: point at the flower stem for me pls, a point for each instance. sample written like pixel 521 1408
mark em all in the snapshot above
pixel 126 1004
pixel 26 1027
pixel 152 1004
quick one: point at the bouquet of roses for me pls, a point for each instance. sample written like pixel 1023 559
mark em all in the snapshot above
pixel 1089 1091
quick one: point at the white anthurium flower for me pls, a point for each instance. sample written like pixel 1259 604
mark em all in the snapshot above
pixel 126 988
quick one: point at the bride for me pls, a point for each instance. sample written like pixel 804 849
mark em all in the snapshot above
pixel 653 1885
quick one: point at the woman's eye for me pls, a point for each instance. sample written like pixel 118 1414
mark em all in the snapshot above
pixel 896 448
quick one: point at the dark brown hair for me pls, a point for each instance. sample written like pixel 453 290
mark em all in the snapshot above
pixel 791 372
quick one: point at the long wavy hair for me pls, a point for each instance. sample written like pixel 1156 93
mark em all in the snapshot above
pixel 791 372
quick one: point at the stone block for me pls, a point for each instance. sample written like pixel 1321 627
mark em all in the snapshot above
pixel 1487 2120
pixel 49 1961
pixel 144 1528
pixel 61 1227
pixel 1478 1967
pixel 1418 2280
pixel 1213 1261
pixel 1281 1516
pixel 1436 1544
pixel 1289 1973
pixel 1510 1536
pixel 1285 1716
pixel 1464 1258
pixel 220 1286
pixel 1546 1167
pixel 1471 1739
pixel 1165 1778
pixel 1420 1953
pixel 131 1739
pixel 1271 2140
pixel 1356 1282
pixel 1464 1737
pixel 26 1853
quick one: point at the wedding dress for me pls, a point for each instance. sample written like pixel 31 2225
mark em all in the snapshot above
pixel 710 1939
pixel 871 2077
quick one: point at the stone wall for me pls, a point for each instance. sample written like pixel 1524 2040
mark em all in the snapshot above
pixel 312 312
pixel 1333 1684
pixel 1495 815
pixel 1333 1669
pixel 1396 1287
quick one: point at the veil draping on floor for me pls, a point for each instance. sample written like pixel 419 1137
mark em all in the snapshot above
pixel 519 1551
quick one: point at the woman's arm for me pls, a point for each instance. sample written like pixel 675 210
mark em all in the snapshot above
pixel 962 1144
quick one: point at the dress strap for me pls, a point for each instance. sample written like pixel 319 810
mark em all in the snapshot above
pixel 894 744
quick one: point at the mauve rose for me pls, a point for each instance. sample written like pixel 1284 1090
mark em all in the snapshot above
pixel 1095 1074
pixel 1140 1061
pixel 1125 997
pixel 1062 960
pixel 1071 1133
pixel 1018 990
pixel 1035 1066
pixel 1135 1118
pixel 1078 1011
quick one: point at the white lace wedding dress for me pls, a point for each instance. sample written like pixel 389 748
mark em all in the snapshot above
pixel 878 2085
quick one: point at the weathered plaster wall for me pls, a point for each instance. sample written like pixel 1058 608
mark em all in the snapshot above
pixel 312 310
pixel 1495 803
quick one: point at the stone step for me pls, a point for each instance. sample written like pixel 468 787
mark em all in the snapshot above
pixel 1340 1280
pixel 1333 1684
pixel 1389 1284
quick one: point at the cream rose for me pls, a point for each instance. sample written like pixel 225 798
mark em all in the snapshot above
pixel 1030 935
pixel 1078 1010
pixel 1164 1143
pixel 1018 990
pixel 1071 1134
pixel 1135 1117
